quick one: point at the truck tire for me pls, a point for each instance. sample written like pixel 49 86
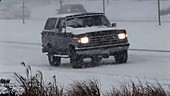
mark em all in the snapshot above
pixel 76 62
pixel 54 60
pixel 75 59
pixel 96 60
pixel 121 57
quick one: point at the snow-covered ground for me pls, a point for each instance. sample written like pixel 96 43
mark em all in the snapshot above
pixel 145 65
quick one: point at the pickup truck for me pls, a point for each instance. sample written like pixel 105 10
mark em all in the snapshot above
pixel 83 35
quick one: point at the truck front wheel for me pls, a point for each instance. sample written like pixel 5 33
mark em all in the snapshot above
pixel 54 60
pixel 75 59
pixel 96 60
pixel 121 57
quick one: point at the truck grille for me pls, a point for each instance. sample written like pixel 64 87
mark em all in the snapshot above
pixel 101 38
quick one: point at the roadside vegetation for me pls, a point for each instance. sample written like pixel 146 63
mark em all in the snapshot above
pixel 34 85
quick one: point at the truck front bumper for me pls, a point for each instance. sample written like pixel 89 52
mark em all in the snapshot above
pixel 102 50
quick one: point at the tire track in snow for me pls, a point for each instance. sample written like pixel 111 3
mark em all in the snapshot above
pixel 39 44
pixel 149 50
pixel 23 43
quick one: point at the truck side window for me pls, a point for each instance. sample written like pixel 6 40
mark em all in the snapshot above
pixel 60 24
pixel 51 22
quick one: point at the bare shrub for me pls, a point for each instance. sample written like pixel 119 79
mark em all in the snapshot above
pixel 139 89
pixel 34 85
pixel 83 88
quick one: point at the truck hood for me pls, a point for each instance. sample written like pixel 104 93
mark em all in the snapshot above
pixel 84 30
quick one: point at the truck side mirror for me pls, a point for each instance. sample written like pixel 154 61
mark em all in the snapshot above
pixel 64 29
pixel 114 24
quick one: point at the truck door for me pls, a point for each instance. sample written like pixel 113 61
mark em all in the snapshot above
pixel 62 39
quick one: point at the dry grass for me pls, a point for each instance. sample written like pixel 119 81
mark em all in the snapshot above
pixel 34 86
pixel 139 89
pixel 90 88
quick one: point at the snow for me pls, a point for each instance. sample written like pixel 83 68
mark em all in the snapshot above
pixel 90 29
pixel 147 66
pixel 148 35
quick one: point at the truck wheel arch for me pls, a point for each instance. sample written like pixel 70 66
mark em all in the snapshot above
pixel 71 47
pixel 49 45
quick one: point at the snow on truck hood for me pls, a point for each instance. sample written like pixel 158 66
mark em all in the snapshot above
pixel 83 30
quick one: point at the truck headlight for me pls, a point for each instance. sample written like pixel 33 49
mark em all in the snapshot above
pixel 83 40
pixel 122 35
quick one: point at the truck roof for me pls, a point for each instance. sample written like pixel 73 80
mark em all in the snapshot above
pixel 74 14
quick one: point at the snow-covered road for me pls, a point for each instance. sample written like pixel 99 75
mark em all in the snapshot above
pixel 148 66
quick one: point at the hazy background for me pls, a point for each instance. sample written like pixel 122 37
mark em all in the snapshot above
pixel 120 10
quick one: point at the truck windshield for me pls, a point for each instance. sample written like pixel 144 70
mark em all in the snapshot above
pixel 88 21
